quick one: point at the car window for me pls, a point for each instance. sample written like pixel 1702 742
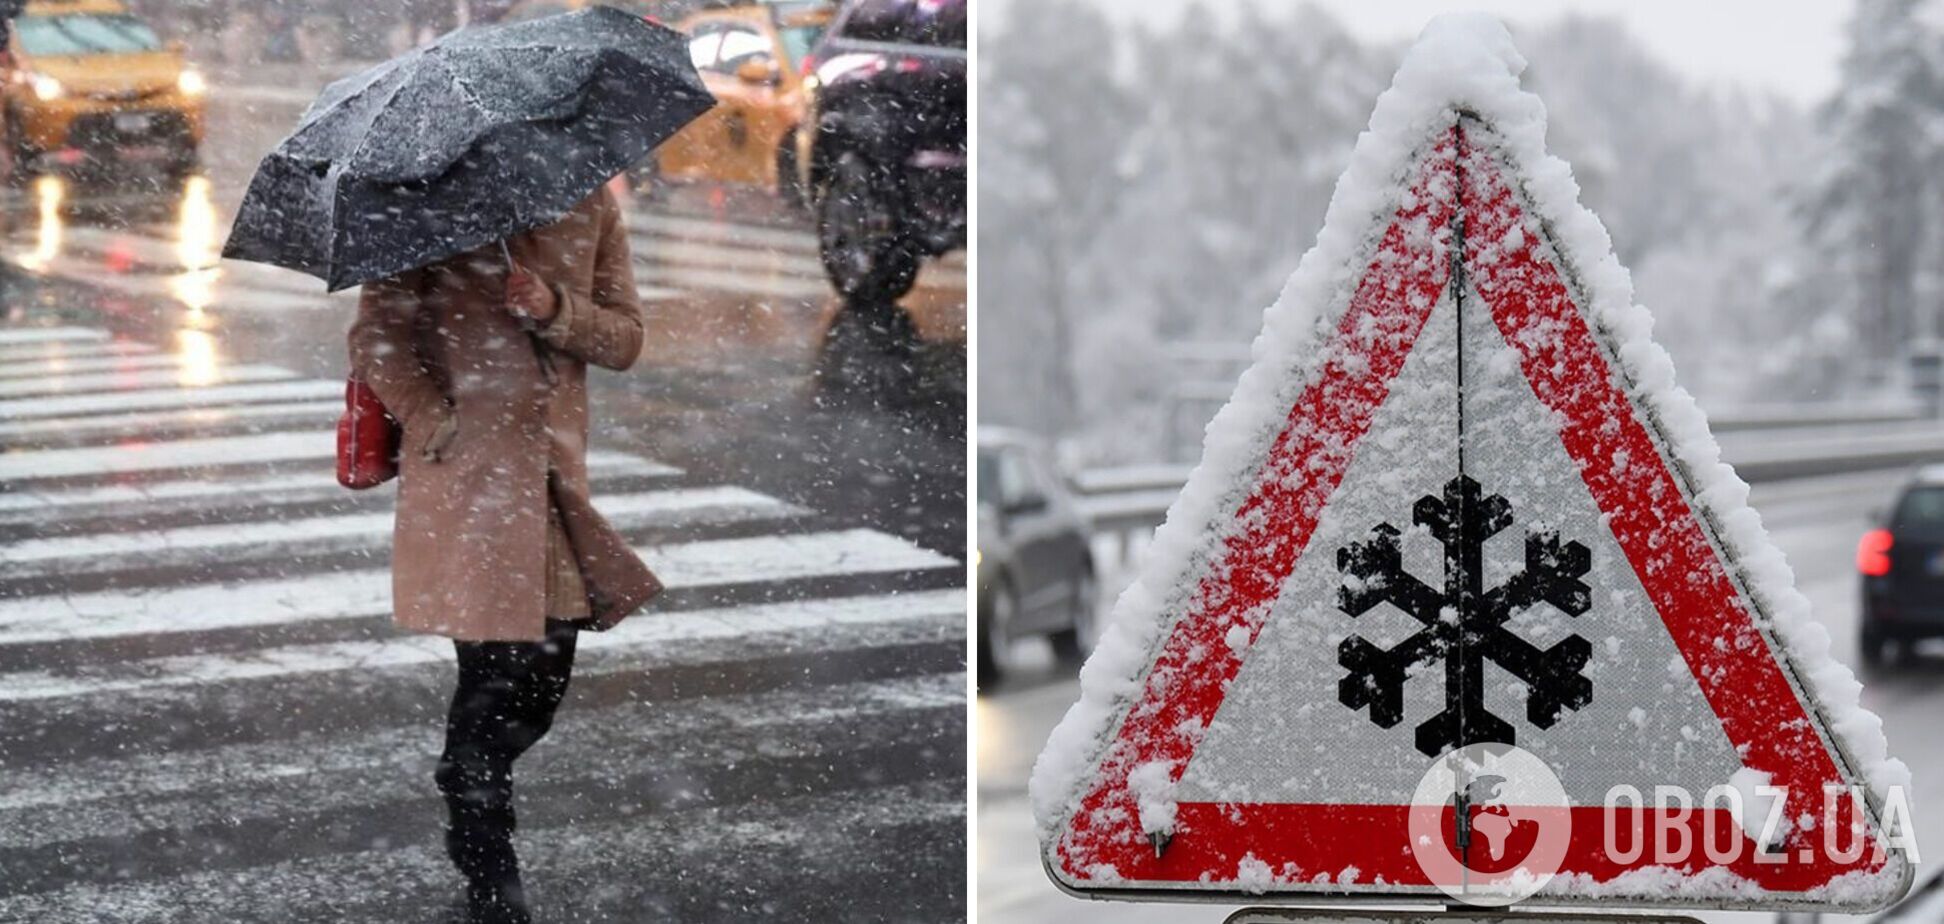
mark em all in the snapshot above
pixel 85 34
pixel 1016 482
pixel 1046 480
pixel 723 46
pixel 740 44
pixel 939 23
pixel 798 40
pixel 705 41
pixel 989 477
pixel 1921 507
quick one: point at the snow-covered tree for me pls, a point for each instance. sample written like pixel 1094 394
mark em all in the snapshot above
pixel 1875 210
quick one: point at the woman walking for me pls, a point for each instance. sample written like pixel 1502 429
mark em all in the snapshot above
pixel 483 357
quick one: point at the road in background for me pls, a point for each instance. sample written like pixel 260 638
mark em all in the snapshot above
pixel 1816 521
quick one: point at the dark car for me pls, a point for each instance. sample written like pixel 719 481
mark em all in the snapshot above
pixel 1036 574
pixel 1902 566
pixel 884 166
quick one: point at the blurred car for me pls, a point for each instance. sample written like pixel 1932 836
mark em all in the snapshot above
pixel 1036 574
pixel 1901 562
pixel 884 161
pixel 94 88
pixel 525 9
pixel 749 55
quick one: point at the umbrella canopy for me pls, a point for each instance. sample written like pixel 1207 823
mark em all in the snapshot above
pixel 480 135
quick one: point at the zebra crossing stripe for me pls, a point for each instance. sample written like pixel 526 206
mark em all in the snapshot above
pixel 198 607
pixel 645 631
pixel 60 366
pixel 128 549
pixel 41 352
pixel 150 246
pixel 135 457
pixel 141 423
pixel 268 490
pixel 844 822
pixel 735 281
pixel 183 789
pixel 123 382
pixel 687 253
pixel 49 334
pixel 649 230
pixel 43 407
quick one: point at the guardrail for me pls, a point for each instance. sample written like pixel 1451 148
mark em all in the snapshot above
pixel 1126 503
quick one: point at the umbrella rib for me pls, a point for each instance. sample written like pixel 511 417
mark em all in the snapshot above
pixel 465 88
pixel 390 98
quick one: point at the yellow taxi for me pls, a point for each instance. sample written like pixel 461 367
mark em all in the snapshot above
pixel 751 56
pixel 93 86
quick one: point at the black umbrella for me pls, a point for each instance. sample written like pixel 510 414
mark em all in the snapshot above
pixel 482 134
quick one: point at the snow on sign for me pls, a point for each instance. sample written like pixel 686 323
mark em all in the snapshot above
pixel 1461 600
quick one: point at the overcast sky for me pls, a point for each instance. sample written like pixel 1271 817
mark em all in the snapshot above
pixel 1790 46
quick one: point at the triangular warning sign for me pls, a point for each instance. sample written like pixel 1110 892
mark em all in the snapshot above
pixel 1459 506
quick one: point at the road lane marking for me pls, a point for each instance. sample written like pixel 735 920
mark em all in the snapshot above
pixel 680 252
pixel 52 506
pixel 841 819
pixel 39 352
pixel 62 366
pixel 155 399
pixel 113 551
pixel 49 334
pixel 351 594
pixel 178 379
pixel 642 632
pixel 736 281
pixel 135 457
pixel 142 423
pixel 649 228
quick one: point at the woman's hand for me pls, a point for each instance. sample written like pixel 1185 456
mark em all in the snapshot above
pixel 445 426
pixel 528 297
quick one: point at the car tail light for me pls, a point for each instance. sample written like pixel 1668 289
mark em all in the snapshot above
pixel 1873 553
pixel 809 65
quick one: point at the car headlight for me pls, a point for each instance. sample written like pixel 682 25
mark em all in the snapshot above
pixel 45 87
pixel 978 558
pixel 192 83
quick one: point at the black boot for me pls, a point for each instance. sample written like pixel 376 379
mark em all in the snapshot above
pixel 496 903
pixel 479 839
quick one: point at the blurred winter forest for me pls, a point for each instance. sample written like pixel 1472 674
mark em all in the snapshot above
pixel 1143 195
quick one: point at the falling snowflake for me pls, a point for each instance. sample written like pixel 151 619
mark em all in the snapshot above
pixel 1464 624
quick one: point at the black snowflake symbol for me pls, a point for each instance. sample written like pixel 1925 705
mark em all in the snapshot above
pixel 1464 626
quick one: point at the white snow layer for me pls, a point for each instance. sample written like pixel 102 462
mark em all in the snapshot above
pixel 1460 62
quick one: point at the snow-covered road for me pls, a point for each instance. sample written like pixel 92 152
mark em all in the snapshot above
pixel 1816 521
pixel 206 715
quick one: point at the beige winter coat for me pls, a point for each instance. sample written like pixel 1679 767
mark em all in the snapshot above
pixel 469 560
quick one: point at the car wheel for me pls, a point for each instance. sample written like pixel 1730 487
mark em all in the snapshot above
pixel 858 233
pixel 995 635
pixel 868 356
pixel 1075 644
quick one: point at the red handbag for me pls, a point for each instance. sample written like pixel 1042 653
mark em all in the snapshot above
pixel 368 439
